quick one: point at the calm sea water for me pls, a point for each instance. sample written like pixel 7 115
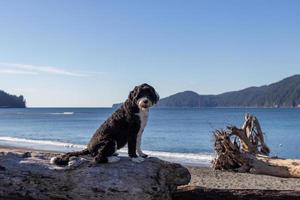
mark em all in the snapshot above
pixel 183 135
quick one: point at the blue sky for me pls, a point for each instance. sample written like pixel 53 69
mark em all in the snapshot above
pixel 91 53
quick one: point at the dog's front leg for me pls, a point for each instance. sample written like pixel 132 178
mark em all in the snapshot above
pixel 132 149
pixel 138 145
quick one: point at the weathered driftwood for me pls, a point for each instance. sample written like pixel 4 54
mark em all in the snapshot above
pixel 252 130
pixel 28 175
pixel 196 193
pixel 244 150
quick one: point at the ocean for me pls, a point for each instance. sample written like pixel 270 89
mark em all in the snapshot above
pixel 181 135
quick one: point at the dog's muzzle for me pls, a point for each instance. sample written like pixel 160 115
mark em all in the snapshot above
pixel 144 102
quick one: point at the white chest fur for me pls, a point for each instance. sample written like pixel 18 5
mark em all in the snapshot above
pixel 143 114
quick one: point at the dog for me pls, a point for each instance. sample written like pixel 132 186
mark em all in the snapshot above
pixel 125 126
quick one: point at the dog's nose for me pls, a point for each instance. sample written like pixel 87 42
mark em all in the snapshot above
pixel 145 101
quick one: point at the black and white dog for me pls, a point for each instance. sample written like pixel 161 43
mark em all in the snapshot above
pixel 124 126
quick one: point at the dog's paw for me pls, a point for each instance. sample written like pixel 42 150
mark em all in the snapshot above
pixel 113 159
pixel 137 159
pixel 53 160
pixel 76 162
pixel 143 155
pixel 115 154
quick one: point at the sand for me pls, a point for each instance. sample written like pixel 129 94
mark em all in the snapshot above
pixel 209 178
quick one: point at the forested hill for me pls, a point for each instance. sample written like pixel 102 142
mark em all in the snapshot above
pixel 285 93
pixel 11 101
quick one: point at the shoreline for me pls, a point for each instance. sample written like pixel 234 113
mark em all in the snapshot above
pixel 204 176
pixel 24 149
pixel 192 159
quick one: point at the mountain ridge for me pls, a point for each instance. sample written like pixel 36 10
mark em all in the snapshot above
pixel 285 93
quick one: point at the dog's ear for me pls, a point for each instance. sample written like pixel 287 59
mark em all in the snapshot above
pixel 154 93
pixel 134 93
pixel 157 97
pixel 131 94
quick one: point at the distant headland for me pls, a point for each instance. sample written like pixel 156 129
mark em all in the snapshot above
pixel 285 93
pixel 11 101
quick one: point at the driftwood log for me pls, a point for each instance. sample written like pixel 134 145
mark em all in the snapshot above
pixel 29 175
pixel 244 150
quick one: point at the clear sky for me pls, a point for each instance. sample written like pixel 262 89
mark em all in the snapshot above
pixel 91 53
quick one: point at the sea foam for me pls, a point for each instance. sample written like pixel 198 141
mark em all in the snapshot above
pixel 62 113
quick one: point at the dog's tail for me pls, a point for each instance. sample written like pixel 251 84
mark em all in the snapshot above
pixel 64 159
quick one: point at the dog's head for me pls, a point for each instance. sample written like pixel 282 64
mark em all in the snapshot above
pixel 144 96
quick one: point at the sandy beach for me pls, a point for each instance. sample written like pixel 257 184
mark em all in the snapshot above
pixel 206 177
pixel 209 178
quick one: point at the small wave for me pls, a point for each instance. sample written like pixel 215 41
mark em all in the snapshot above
pixel 184 158
pixel 62 113
pixel 39 142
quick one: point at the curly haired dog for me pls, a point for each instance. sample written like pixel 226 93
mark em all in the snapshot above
pixel 124 126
